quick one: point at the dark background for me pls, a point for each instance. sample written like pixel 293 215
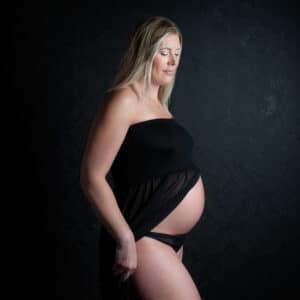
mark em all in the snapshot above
pixel 237 91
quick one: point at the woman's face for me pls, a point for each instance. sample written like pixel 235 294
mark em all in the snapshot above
pixel 166 60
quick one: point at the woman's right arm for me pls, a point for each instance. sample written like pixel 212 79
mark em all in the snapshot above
pixel 108 130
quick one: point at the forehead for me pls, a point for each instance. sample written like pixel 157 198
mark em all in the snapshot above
pixel 171 42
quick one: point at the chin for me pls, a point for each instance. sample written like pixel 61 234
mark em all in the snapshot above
pixel 164 82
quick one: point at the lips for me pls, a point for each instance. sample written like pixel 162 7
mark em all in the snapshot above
pixel 169 72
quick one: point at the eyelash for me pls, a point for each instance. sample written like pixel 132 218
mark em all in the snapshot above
pixel 165 54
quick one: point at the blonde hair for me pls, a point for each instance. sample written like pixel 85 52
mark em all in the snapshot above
pixel 136 62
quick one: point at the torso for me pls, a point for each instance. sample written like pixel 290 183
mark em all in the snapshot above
pixel 185 216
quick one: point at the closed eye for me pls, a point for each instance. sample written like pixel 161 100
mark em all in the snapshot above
pixel 165 54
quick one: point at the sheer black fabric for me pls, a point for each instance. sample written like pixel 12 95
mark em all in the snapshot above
pixel 146 204
pixel 152 172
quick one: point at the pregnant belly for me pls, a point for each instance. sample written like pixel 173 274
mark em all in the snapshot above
pixel 186 214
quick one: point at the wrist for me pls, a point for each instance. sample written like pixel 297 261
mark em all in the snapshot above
pixel 125 238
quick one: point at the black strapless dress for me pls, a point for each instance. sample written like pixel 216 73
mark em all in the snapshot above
pixel 152 172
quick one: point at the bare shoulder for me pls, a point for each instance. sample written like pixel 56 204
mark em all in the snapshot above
pixel 119 104
pixel 115 114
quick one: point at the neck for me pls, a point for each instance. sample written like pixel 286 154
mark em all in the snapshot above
pixel 151 94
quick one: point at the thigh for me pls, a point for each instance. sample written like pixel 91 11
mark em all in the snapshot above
pixel 160 274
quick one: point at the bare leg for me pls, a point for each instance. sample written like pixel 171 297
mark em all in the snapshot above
pixel 160 274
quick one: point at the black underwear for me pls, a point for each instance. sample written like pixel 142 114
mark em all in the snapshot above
pixel 175 241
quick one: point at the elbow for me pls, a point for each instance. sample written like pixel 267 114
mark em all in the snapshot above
pixel 84 178
pixel 87 180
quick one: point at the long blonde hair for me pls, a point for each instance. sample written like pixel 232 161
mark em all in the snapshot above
pixel 144 42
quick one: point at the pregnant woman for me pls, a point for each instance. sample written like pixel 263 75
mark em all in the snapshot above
pixel 158 194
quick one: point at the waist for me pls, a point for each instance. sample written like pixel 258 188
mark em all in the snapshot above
pixel 138 173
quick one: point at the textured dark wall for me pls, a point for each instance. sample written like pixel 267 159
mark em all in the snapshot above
pixel 237 91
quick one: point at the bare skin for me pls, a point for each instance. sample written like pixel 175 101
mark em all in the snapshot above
pixel 187 213
pixel 160 267
pixel 172 280
pixel 146 257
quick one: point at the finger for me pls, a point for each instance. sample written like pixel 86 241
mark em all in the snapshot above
pixel 119 271
pixel 126 276
pixel 117 268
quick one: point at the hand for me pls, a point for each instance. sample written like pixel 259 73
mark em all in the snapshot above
pixel 125 259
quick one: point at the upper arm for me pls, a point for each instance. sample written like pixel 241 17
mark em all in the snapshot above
pixel 108 130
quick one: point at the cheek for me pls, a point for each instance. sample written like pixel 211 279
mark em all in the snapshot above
pixel 159 62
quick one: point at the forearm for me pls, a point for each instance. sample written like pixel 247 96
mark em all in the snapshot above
pixel 102 198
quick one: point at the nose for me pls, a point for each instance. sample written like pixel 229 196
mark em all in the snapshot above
pixel 172 59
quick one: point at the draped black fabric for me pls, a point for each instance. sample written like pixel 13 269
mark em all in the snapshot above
pixel 152 173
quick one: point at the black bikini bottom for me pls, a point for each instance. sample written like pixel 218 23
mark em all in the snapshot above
pixel 175 241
